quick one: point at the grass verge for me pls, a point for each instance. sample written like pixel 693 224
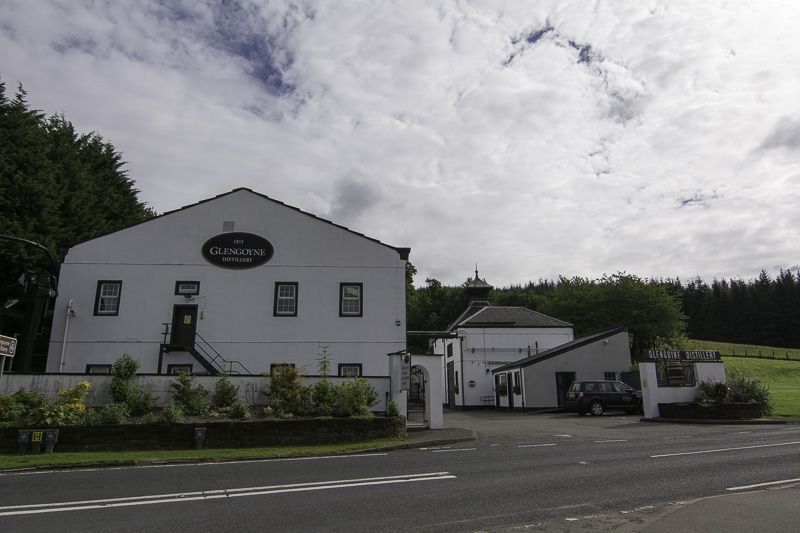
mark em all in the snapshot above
pixel 204 455
pixel 782 378
pixel 746 350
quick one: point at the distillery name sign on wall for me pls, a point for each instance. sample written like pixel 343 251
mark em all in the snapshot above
pixel 237 250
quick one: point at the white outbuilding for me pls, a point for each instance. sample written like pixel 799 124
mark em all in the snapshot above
pixel 237 283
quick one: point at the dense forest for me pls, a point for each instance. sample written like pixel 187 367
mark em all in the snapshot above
pixel 58 187
pixel 658 313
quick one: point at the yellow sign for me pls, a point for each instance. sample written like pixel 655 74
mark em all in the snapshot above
pixel 36 436
pixel 187 319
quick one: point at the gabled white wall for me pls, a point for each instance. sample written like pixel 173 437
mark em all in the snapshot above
pixel 590 361
pixel 652 394
pixel 479 350
pixel 235 307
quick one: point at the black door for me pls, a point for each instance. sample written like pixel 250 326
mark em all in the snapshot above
pixel 184 325
pixel 451 384
pixel 563 381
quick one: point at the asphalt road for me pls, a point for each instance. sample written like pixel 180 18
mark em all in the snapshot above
pixel 551 474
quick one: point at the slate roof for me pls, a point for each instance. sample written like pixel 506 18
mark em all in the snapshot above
pixel 562 349
pixel 505 317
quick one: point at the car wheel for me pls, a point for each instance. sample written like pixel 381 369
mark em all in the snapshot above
pixel 596 408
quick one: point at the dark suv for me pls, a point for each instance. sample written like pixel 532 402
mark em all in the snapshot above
pixel 595 396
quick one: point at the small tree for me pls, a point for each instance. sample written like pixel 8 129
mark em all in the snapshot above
pixel 322 392
pixel 287 394
pixel 354 397
pixel 124 389
pixel 191 398
pixel 225 393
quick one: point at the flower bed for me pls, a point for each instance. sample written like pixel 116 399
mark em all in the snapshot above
pixel 711 410
pixel 234 434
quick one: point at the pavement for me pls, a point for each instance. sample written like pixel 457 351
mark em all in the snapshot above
pixel 771 508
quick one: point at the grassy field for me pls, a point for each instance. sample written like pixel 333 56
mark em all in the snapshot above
pixel 747 350
pixel 777 368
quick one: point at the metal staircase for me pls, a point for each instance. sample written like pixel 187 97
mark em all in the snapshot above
pixel 206 355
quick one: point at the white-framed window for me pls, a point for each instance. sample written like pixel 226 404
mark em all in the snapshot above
pixel 106 300
pixel 179 369
pixel 350 370
pixel 351 299
pixel 98 369
pixel 187 288
pixel 610 376
pixel 285 298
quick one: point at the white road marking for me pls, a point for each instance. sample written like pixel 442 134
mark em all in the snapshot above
pixel 564 435
pixel 612 440
pixel 727 449
pixel 768 484
pixel 217 494
pixel 184 465
pixel 535 445
pixel 740 432
pixel 683 437
pixel 456 450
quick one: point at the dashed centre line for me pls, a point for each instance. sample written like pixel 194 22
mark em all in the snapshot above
pixel 612 440
pixel 535 445
pixel 455 450
pixel 767 484
pixel 718 450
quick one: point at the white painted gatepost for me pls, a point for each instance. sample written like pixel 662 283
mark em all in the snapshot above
pixel 416 388
pixel 674 376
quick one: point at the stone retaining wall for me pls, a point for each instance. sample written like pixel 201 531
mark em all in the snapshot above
pixel 217 434
pixel 711 411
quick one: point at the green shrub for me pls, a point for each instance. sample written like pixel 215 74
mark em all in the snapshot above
pixel 240 410
pixel 392 408
pixel 750 390
pixel 67 409
pixel 322 395
pixel 192 399
pixel 124 389
pixel 29 400
pixel 287 394
pixel 10 409
pixel 115 413
pixel 91 417
pixel 225 392
pixel 354 397
pixel 712 391
pixel 172 414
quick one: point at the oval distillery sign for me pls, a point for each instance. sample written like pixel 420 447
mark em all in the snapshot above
pixel 237 250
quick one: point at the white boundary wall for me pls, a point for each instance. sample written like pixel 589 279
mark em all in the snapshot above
pixel 251 388
pixel 652 394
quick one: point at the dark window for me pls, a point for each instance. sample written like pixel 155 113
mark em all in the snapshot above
pixel 675 374
pixel 273 366
pixel 179 369
pixel 187 288
pixel 588 387
pixel 285 299
pixel 350 370
pixel 605 387
pixel 610 376
pixel 450 349
pixel 351 298
pixel 106 300
pixel 98 369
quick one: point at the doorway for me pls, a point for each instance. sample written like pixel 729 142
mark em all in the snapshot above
pixel 451 384
pixel 563 381
pixel 184 325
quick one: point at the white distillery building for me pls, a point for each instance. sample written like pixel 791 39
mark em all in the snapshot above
pixel 485 337
pixel 542 380
pixel 234 284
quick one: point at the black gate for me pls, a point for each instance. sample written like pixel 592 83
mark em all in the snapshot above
pixel 416 399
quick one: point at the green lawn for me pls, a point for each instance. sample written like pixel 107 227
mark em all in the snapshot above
pixel 782 378
pixel 749 350
pixel 118 458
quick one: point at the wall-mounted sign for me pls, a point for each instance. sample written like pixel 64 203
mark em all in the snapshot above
pixel 8 346
pixel 682 355
pixel 237 250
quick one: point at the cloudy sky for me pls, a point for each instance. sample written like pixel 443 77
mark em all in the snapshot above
pixel 534 138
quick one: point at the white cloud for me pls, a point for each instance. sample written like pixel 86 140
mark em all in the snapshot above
pixel 659 138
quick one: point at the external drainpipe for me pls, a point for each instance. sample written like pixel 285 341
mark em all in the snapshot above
pixel 64 341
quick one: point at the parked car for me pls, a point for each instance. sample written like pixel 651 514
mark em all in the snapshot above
pixel 595 396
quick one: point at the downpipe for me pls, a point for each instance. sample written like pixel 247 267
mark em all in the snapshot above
pixel 70 314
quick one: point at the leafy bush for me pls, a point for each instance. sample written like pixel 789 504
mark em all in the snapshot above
pixel 225 392
pixel 193 400
pixel 172 414
pixel 323 395
pixel 10 409
pixel 115 413
pixel 354 397
pixel 67 409
pixel 750 390
pixel 712 391
pixel 124 389
pixel 392 408
pixel 287 394
pixel 91 417
pixel 240 410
